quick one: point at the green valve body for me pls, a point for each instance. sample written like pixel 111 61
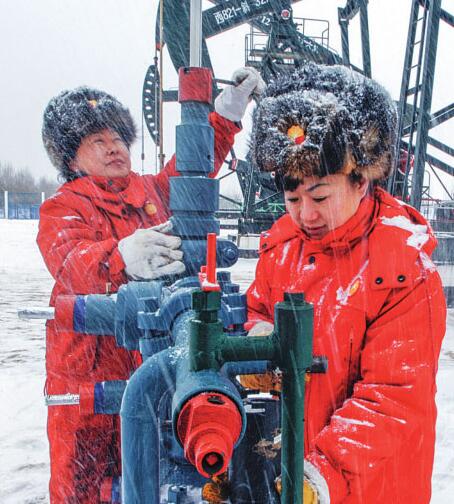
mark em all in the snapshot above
pixel 289 348
pixel 206 331
pixel 294 321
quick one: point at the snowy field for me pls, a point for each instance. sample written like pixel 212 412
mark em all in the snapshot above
pixel 25 282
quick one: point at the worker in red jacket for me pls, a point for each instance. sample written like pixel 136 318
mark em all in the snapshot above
pixel 362 259
pixel 105 225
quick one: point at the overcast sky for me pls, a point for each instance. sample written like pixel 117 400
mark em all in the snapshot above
pixel 50 45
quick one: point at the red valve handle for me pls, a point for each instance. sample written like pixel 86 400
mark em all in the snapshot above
pixel 207 275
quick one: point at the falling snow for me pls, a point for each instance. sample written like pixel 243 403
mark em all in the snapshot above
pixel 25 282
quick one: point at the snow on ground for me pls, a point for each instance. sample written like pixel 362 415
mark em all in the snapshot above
pixel 25 282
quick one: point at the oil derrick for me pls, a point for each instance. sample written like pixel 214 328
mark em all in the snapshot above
pixel 416 120
pixel 415 116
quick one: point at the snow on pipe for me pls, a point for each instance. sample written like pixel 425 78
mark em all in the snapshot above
pixel 46 313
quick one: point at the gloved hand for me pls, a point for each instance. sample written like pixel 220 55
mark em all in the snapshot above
pixel 262 382
pixel 233 100
pixel 310 495
pixel 151 253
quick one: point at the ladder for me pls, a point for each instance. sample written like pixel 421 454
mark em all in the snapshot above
pixel 415 118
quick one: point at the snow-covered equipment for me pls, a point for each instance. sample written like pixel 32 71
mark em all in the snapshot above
pixel 277 42
pixel 183 412
pixel 188 381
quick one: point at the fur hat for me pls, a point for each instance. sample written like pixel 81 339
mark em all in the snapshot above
pixel 321 120
pixel 74 114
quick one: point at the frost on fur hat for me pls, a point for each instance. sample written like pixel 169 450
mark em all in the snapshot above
pixel 322 120
pixel 72 115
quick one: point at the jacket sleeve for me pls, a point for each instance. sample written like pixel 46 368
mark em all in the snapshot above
pixel 224 137
pixel 76 259
pixel 394 395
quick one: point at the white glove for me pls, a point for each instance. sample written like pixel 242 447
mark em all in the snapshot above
pixel 262 328
pixel 233 100
pixel 150 253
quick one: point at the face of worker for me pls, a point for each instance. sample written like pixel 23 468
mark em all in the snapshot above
pixel 103 154
pixel 320 205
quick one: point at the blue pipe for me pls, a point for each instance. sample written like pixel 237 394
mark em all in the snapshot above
pixel 155 379
pixel 108 396
pixel 140 428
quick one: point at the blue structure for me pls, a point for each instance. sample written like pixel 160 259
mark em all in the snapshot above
pixel 20 205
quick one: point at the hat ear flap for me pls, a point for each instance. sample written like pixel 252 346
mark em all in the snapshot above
pixel 370 141
pixel 370 147
pixel 333 149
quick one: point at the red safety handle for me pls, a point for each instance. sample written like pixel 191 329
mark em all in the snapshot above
pixel 207 275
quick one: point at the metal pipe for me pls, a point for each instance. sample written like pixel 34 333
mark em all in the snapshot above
pixel 195 48
pixel 164 373
pixel 161 101
pixel 140 428
pixel 289 348
pixel 46 313
pixel 191 388
pixel 294 321
pixel 364 22
pixel 62 400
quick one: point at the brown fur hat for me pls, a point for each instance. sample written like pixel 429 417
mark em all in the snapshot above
pixel 322 120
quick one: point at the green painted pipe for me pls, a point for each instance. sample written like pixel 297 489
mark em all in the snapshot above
pixel 294 322
pixel 289 347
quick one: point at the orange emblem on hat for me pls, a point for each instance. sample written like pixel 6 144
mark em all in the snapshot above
pixel 149 208
pixel 93 103
pixel 296 133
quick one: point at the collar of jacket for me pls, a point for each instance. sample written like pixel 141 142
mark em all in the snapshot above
pixel 400 236
pixel 111 194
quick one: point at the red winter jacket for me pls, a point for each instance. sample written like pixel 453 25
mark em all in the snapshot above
pixel 79 230
pixel 379 317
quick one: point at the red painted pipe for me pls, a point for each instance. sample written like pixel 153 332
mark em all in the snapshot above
pixel 208 427
pixel 207 275
pixel 195 85
pixel 211 258
pixel 64 313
